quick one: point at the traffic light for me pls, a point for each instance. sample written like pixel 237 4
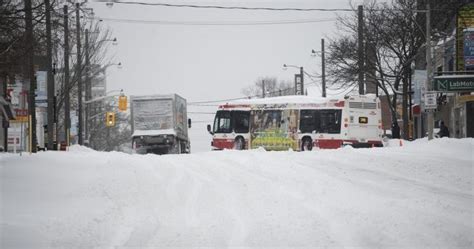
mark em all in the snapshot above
pixel 122 103
pixel 110 119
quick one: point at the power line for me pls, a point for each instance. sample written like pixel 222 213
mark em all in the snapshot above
pixel 207 103
pixel 224 7
pixel 215 23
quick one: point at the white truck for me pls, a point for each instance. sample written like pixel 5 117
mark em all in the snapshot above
pixel 159 124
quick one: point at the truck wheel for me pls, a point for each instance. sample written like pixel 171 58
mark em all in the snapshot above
pixel 239 143
pixel 179 149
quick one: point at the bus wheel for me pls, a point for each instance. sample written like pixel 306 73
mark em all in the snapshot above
pixel 239 143
pixel 306 144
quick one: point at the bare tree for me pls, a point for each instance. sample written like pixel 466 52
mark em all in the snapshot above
pixel 268 87
pixel 394 39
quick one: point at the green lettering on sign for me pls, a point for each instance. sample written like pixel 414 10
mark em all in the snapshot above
pixel 454 83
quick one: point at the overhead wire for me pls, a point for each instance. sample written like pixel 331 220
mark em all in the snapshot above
pixel 224 7
pixel 210 102
pixel 155 4
pixel 212 23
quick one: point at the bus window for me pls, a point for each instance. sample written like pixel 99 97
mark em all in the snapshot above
pixel 308 121
pixel 222 122
pixel 272 119
pixel 264 120
pixel 330 121
pixel 241 121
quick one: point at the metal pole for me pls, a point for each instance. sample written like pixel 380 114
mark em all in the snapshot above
pixel 67 104
pixel 410 105
pixel 429 69
pixel 49 56
pixel 79 76
pixel 4 94
pixel 360 50
pixel 323 70
pixel 296 84
pixel 29 42
pixel 88 85
pixel 263 88
pixel 302 80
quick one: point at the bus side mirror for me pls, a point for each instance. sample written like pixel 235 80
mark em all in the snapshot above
pixel 209 129
pixel 189 123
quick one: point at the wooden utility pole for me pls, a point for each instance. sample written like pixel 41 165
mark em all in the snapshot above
pixel 302 80
pixel 79 76
pixel 88 85
pixel 67 87
pixel 30 73
pixel 360 50
pixel 50 85
pixel 323 70
pixel 429 69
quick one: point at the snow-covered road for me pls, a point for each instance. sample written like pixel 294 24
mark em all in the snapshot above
pixel 416 196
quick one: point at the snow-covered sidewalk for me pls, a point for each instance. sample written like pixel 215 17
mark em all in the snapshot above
pixel 416 196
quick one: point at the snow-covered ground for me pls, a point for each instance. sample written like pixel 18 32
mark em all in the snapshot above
pixel 416 196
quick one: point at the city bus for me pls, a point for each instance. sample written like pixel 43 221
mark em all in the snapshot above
pixel 298 123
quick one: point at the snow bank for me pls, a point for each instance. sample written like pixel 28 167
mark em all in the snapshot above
pixel 419 195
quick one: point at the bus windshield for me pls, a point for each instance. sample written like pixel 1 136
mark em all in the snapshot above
pixel 222 122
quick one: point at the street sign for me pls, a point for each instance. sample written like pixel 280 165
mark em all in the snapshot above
pixel 430 100
pixel 298 90
pixel 454 83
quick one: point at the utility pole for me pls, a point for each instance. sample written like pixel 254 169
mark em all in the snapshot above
pixel 263 88
pixel 323 70
pixel 429 68
pixel 4 81
pixel 302 80
pixel 88 85
pixel 50 85
pixel 360 50
pixel 67 105
pixel 79 76
pixel 29 45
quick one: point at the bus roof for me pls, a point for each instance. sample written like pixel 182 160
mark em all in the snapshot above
pixel 298 101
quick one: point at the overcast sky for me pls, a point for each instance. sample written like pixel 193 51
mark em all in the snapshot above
pixel 212 62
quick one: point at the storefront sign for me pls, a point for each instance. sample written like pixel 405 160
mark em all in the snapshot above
pixel 454 83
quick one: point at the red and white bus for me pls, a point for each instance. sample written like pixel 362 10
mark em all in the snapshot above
pixel 298 123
